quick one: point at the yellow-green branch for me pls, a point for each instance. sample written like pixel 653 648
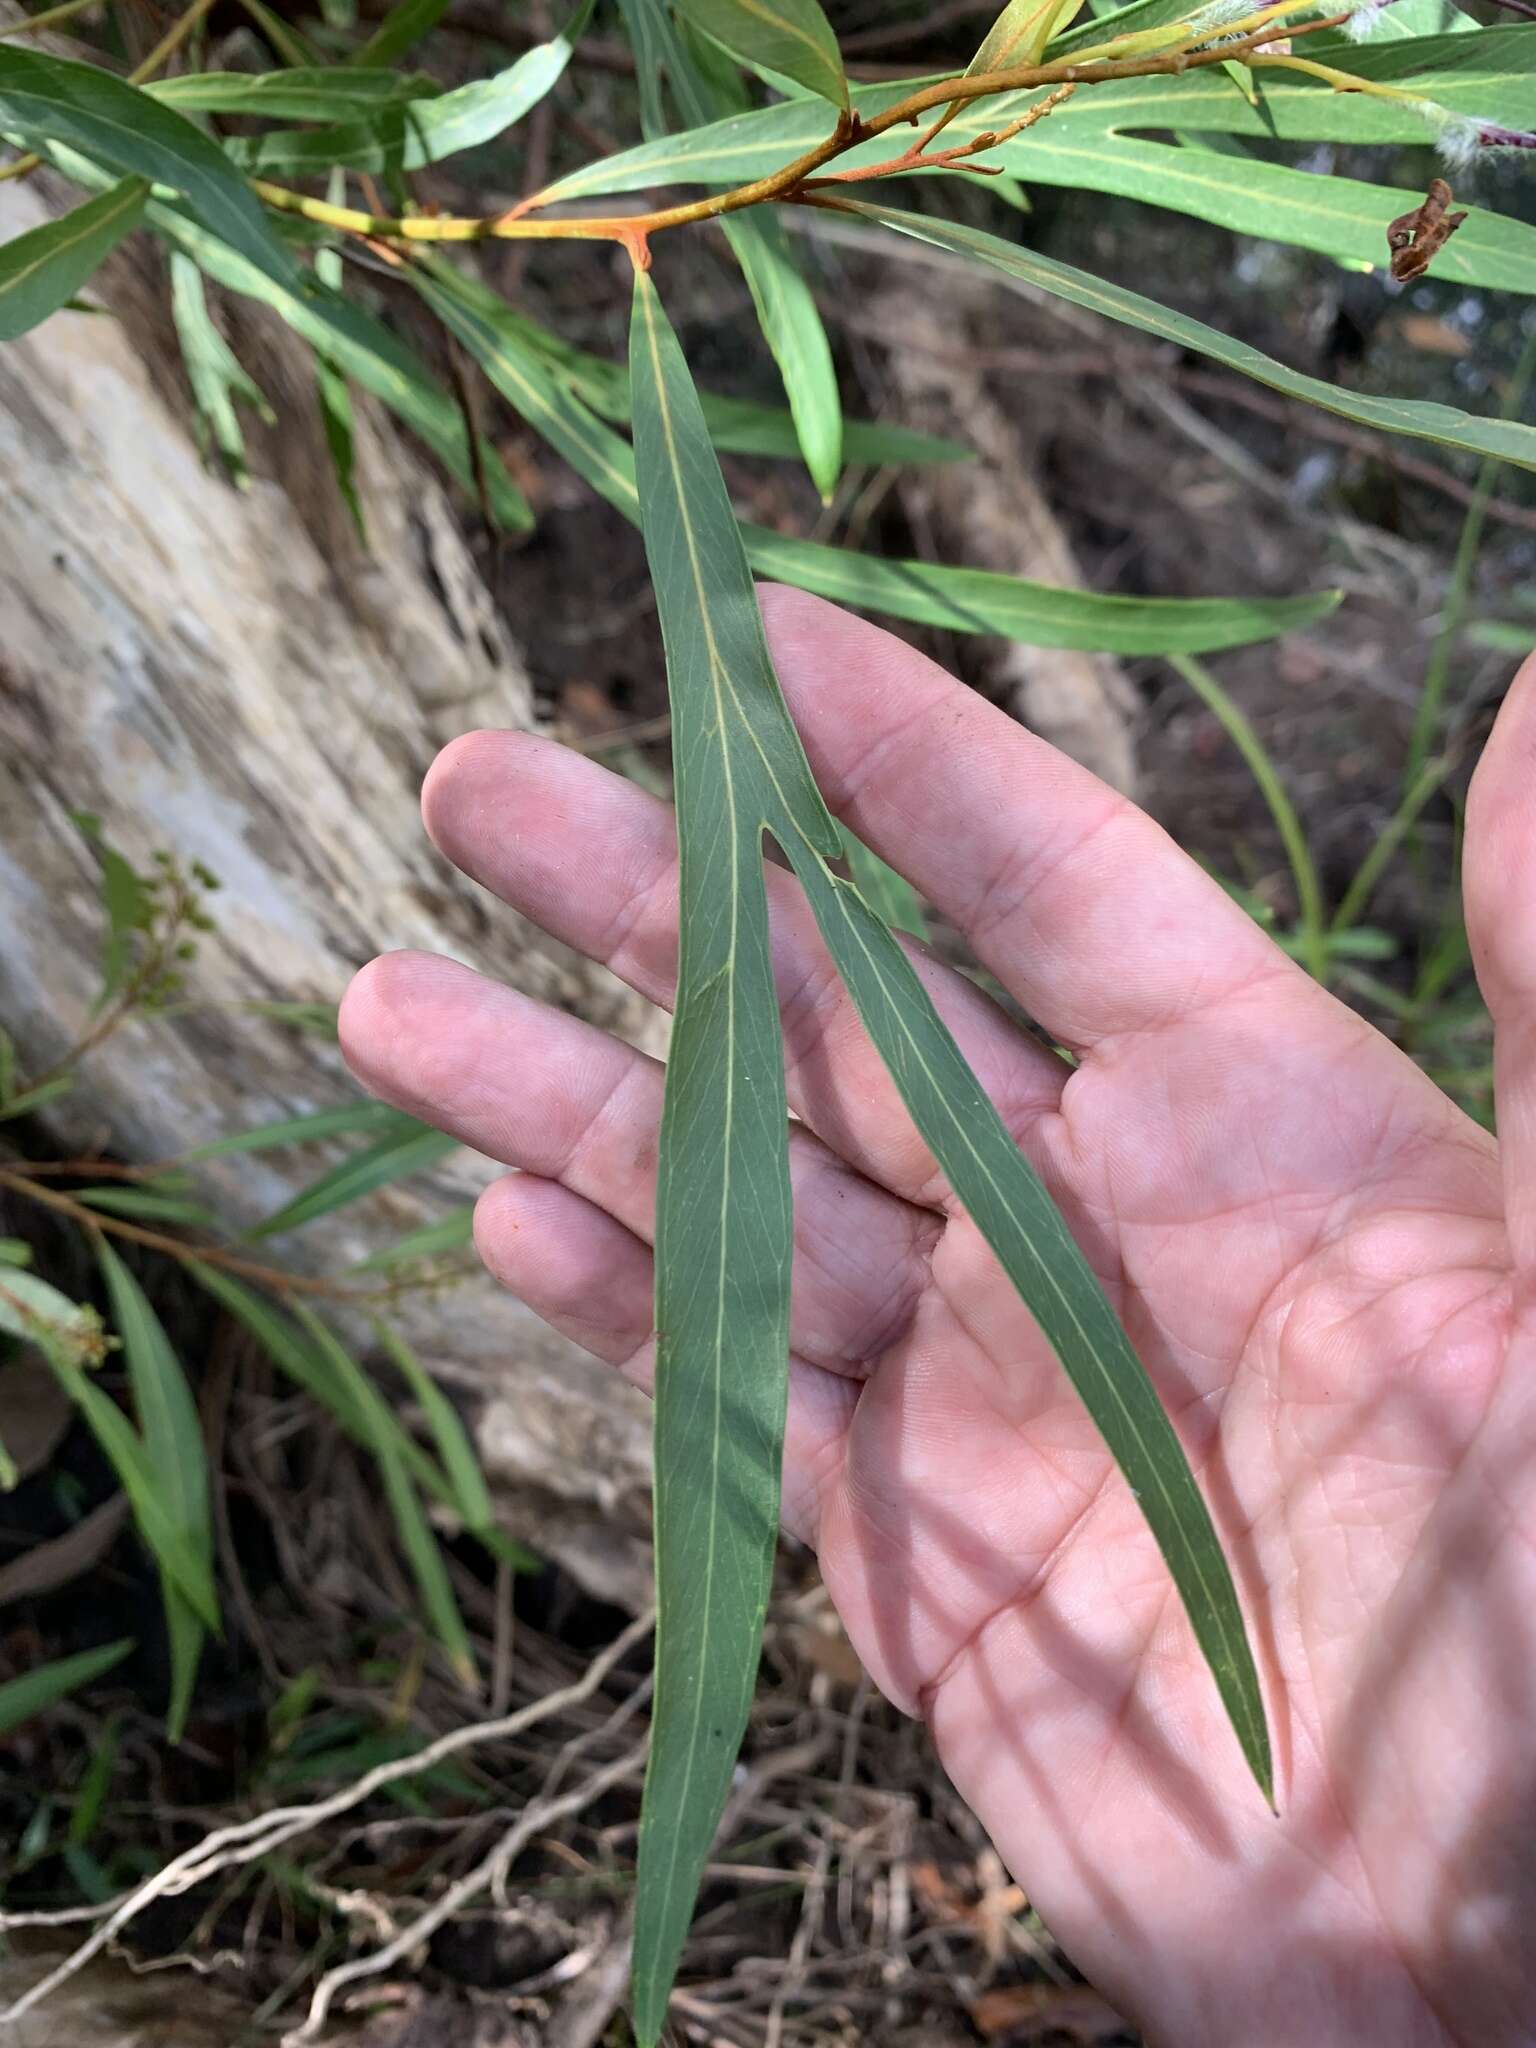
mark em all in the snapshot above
pixel 1243 40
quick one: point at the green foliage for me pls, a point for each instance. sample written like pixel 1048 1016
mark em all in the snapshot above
pixel 43 269
pixel 723 1230
pixel 406 1147
pixel 35 1691
pixel 1509 440
pixel 964 600
pixel 1164 115
pixel 787 313
pixel 792 37
pixel 173 1445
pixel 213 371
pixel 51 100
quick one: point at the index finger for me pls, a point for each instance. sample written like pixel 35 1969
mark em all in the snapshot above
pixel 1079 904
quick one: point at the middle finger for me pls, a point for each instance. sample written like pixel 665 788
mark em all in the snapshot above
pixel 544 1091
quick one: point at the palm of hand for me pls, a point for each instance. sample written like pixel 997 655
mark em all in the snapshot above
pixel 1307 1243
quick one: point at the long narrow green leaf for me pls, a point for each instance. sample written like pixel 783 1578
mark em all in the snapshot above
pixel 1512 441
pixel 1081 147
pixel 400 30
pixel 148 1205
pixel 391 1446
pixel 35 1691
pixel 449 1233
pixel 964 600
pixel 471 1495
pixel 723 1237
pixel 792 327
pixel 181 1564
pixel 327 93
pixel 331 387
pixel 342 1120
pixel 760 243
pixel 173 1436
pixel 403 1152
pixel 44 268
pixel 369 354
pixel 173 1442
pixel 347 1394
pixel 1017 1218
pixel 790 36
pixel 70 1337
pixel 427 1567
pixel 1490 75
pixel 217 376
pixel 406 135
pixel 53 100
pixel 984 601
pixel 1338 217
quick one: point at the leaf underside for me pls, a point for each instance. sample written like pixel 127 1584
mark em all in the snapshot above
pixel 724 1229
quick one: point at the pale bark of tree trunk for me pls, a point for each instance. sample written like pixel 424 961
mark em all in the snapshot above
pixel 229 675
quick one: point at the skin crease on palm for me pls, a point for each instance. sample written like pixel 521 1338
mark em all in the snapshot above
pixel 1327 1269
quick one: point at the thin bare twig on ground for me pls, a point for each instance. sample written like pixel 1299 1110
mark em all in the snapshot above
pixel 487 1875
pixel 246 1841
pixel 815 1890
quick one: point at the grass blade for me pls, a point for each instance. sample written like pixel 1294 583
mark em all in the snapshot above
pixel 146 1205
pixel 449 1234
pixel 34 1691
pixel 173 1442
pixel 44 268
pixel 723 1227
pixel 1309 893
pixel 343 1390
pixel 470 1494
pixel 722 1224
pixel 343 1120
pixel 410 1150
pixel 427 1567
pixel 180 1562
pixel 393 1447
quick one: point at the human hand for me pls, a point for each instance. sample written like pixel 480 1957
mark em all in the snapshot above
pixel 1326 1268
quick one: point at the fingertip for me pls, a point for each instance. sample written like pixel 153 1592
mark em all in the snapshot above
pixel 473 775
pixel 375 999
pixel 571 1262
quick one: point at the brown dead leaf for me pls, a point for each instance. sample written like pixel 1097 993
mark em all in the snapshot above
pixel 46 1566
pixel 35 1412
pixel 937 1892
pixel 1435 337
pixel 1027 2012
